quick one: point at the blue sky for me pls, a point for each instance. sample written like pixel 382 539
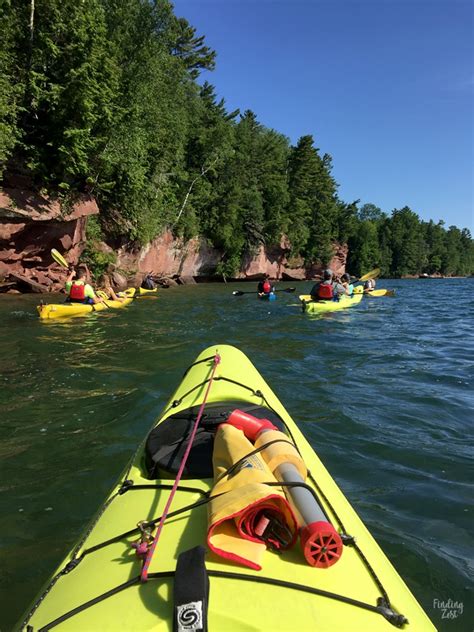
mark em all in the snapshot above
pixel 384 86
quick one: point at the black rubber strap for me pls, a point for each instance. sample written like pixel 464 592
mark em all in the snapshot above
pixel 238 464
pixel 191 592
pixel 198 362
pixel 177 402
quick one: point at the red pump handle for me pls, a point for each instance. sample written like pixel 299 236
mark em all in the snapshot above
pixel 250 425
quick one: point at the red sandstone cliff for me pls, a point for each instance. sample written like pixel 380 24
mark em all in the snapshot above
pixel 30 225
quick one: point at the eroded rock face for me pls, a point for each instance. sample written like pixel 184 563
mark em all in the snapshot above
pixel 31 225
pixel 168 256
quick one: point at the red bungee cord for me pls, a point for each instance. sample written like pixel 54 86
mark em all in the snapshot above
pixel 151 550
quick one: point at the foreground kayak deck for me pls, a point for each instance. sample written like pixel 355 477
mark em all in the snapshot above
pixel 316 307
pixel 97 587
pixel 68 310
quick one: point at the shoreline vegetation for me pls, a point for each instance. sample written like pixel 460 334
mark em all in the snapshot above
pixel 103 99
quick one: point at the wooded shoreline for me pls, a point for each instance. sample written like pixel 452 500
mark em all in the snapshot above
pixel 101 101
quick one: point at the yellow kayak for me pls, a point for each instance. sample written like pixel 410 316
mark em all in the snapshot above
pixel 143 292
pixel 68 310
pixel 101 583
pixel 320 307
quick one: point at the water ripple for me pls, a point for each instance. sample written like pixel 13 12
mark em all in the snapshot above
pixel 383 392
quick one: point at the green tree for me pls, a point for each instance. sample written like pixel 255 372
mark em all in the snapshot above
pixel 372 213
pixel 347 220
pixel 385 247
pixel 435 238
pixel 325 215
pixel 272 165
pixel 144 165
pixel 11 88
pixel 407 242
pixel 303 171
pixel 209 145
pixel 312 221
pixel 70 86
pixel 364 251
pixel 452 264
pixel 249 205
pixel 189 48
pixel 242 230
pixel 467 252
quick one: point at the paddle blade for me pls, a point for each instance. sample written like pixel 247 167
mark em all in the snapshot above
pixel 57 256
pixel 237 293
pixel 381 292
pixel 288 289
pixel 373 274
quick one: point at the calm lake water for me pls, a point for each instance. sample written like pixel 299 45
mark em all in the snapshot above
pixel 383 391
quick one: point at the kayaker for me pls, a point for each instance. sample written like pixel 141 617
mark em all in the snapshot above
pixel 347 285
pixel 110 291
pixel 327 289
pixel 265 287
pixel 148 283
pixel 369 285
pixel 78 290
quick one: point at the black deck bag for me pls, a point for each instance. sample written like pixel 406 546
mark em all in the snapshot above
pixel 166 443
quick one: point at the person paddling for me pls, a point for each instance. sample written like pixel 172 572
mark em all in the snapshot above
pixel 265 287
pixel 148 283
pixel 369 285
pixel 328 289
pixel 79 291
pixel 347 285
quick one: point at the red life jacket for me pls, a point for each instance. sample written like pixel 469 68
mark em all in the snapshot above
pixel 267 288
pixel 325 291
pixel 77 292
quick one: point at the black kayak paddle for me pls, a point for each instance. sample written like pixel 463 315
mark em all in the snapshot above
pixel 285 289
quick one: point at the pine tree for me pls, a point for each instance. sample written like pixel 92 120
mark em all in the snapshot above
pixel 11 86
pixel 435 237
pixel 312 222
pixel 407 243
pixel 209 146
pixel 68 94
pixel 303 171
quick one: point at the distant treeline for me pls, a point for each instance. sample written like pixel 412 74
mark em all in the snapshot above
pixel 101 96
